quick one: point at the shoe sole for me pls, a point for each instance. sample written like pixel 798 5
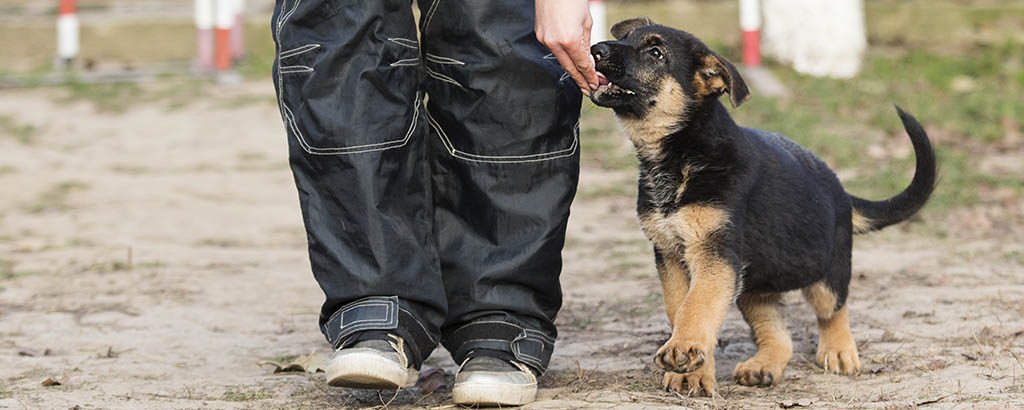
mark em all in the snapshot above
pixel 369 371
pixel 493 394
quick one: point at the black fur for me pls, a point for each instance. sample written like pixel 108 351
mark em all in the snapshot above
pixel 790 220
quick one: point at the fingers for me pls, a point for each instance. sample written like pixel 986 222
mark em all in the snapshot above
pixel 570 67
pixel 584 62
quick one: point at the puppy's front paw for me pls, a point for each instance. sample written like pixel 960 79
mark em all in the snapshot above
pixel 682 356
pixel 842 358
pixel 701 382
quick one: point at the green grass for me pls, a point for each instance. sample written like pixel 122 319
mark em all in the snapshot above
pixel 23 133
pixel 56 197
pixel 171 93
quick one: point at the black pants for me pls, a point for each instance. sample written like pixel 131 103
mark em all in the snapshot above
pixel 435 176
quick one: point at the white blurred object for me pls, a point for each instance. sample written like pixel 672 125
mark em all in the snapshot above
pixel 598 32
pixel 67 33
pixel 820 38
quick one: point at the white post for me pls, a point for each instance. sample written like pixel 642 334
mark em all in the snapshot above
pixel 67 33
pixel 600 28
pixel 204 34
pixel 820 38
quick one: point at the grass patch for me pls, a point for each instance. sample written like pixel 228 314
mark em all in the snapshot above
pixel 7 170
pixel 7 271
pixel 173 93
pixel 6 394
pixel 235 395
pixel 56 197
pixel 23 133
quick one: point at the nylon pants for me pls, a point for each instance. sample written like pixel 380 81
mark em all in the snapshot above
pixel 435 169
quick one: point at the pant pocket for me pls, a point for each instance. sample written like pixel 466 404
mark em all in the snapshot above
pixel 347 77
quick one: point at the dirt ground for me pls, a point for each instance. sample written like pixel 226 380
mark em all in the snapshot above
pixel 154 257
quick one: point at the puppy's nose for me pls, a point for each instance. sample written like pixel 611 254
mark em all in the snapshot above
pixel 600 51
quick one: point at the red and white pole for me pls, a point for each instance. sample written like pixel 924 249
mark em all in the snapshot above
pixel 750 24
pixel 224 19
pixel 598 14
pixel 204 34
pixel 67 33
pixel 238 31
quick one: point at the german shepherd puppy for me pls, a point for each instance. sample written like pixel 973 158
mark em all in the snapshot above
pixel 736 214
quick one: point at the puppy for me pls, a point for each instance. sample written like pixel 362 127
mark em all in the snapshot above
pixel 736 214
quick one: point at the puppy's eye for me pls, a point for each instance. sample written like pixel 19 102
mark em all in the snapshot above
pixel 654 52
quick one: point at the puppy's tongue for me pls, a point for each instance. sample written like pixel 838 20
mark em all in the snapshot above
pixel 601 79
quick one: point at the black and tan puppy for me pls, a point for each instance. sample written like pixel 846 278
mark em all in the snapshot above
pixel 736 214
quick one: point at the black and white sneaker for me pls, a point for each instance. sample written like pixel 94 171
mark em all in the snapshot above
pixel 490 381
pixel 372 364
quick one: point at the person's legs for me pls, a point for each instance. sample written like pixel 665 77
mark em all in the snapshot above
pixel 505 158
pixel 347 76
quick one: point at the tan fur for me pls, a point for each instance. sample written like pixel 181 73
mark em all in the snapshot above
pixel 774 347
pixel 861 224
pixel 675 282
pixel 822 300
pixel 688 171
pixel 696 321
pixel 690 226
pixel 708 79
pixel 837 351
pixel 664 118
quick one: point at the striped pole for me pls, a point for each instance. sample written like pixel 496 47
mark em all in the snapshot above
pixel 224 19
pixel 238 31
pixel 750 24
pixel 67 33
pixel 597 12
pixel 204 34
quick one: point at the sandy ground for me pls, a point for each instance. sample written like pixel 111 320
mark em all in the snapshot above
pixel 155 257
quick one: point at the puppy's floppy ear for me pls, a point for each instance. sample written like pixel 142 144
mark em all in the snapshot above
pixel 717 75
pixel 624 27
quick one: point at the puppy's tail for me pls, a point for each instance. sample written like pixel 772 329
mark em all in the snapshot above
pixel 874 215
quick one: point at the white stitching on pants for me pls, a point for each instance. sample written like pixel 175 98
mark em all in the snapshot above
pixel 406 62
pixel 434 58
pixel 289 117
pixel 405 42
pixel 299 50
pixel 294 69
pixel 358 148
pixel 442 77
pixel 430 15
pixel 502 159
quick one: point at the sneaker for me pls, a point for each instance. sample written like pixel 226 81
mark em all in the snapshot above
pixel 372 364
pixel 490 381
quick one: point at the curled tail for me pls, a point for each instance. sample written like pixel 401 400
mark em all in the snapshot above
pixel 874 215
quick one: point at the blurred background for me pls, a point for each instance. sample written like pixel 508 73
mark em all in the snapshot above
pixel 152 254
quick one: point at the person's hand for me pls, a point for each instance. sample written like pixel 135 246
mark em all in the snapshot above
pixel 564 27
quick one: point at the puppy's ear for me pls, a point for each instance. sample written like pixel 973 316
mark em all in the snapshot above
pixel 717 75
pixel 624 27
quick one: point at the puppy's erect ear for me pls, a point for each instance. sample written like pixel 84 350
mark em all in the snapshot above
pixel 717 75
pixel 624 27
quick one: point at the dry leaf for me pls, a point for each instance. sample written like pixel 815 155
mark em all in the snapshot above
pixel 431 380
pixel 788 404
pixel 55 382
pixel 312 363
pixel 936 364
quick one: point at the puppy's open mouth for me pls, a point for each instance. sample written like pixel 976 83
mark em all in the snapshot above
pixel 606 87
